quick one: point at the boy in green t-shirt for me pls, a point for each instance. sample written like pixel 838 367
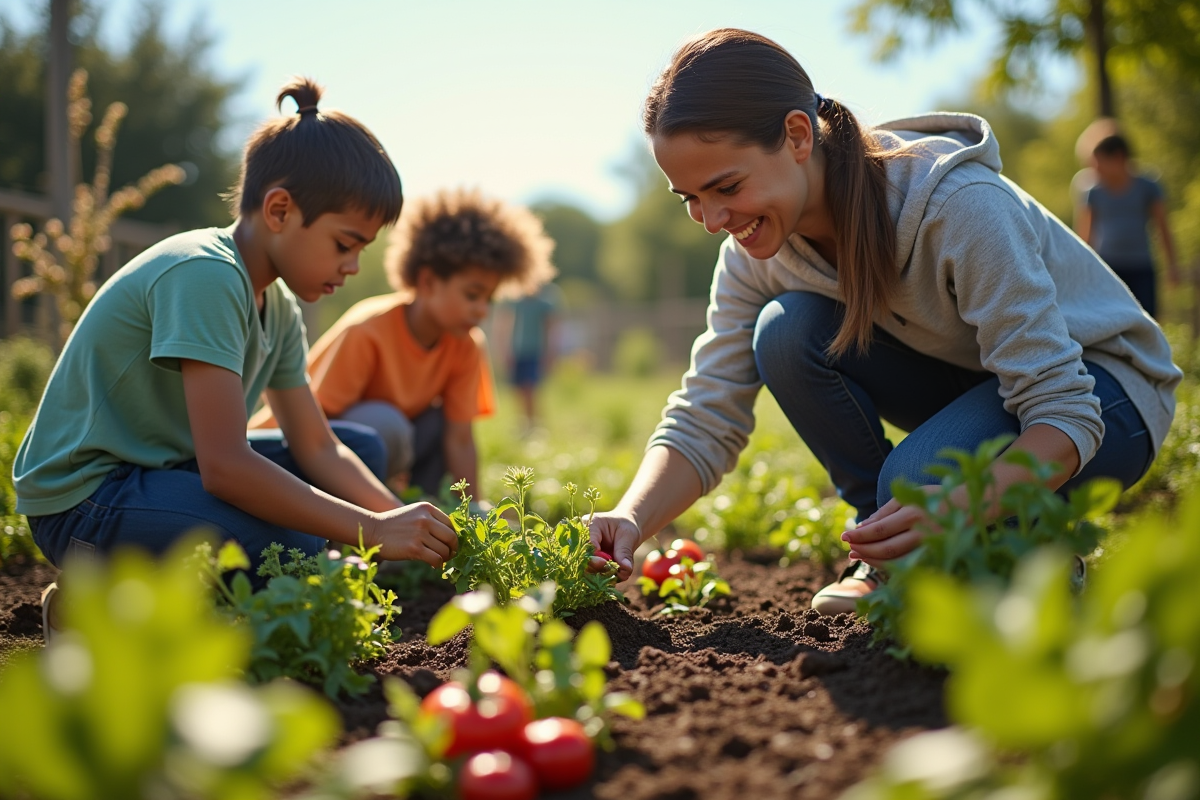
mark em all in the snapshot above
pixel 141 433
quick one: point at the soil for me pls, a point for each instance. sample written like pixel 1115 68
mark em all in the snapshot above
pixel 756 696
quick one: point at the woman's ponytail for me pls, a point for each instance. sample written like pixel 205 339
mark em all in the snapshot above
pixel 856 193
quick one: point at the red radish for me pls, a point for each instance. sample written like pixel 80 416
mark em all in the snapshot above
pixel 496 775
pixel 559 751
pixel 492 723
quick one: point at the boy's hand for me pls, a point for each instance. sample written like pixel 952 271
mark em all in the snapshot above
pixel 416 532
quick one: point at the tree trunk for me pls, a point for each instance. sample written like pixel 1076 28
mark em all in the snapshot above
pixel 1099 44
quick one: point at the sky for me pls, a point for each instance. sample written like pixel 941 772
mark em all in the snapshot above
pixel 526 99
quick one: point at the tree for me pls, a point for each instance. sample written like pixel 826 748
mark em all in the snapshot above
pixel 1109 31
pixel 177 110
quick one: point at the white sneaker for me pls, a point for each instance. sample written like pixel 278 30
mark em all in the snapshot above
pixel 857 580
pixel 48 633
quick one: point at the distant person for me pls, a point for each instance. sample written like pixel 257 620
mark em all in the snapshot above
pixel 1113 216
pixel 879 273
pixel 412 365
pixel 141 433
pixel 534 321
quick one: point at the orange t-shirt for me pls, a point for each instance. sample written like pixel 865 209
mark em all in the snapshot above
pixel 370 354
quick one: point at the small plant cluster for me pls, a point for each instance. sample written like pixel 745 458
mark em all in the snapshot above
pixel 963 544
pixel 487 735
pixel 514 559
pixel 139 697
pixel 316 617
pixel 1058 696
pixel 64 256
pixel 682 577
pixel 771 498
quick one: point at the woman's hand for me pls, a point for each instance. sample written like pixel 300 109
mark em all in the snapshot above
pixel 892 531
pixel 617 534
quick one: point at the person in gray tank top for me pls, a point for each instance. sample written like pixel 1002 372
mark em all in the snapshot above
pixel 1114 216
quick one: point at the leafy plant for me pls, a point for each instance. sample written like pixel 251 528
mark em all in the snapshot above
pixel 961 543
pixel 777 495
pixel 65 256
pixel 1062 697
pixel 515 558
pixel 562 672
pixel 16 540
pixel 315 619
pixel 138 698
pixel 692 584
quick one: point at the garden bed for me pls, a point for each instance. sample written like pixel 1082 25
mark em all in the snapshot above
pixel 756 696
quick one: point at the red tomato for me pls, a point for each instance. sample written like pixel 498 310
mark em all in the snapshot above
pixel 657 566
pixel 559 751
pixel 491 724
pixel 602 554
pixel 496 776
pixel 688 549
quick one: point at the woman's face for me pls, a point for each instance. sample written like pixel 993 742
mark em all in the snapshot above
pixel 755 195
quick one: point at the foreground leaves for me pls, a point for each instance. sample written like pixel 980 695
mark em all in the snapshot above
pixel 316 618
pixel 138 698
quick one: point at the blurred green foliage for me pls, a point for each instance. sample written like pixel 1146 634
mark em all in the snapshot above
pixel 638 353
pixel 1058 696
pixel 963 542
pixel 138 697
pixel 25 366
pixel 316 618
pixel 177 110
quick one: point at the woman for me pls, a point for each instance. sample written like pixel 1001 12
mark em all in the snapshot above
pixel 888 273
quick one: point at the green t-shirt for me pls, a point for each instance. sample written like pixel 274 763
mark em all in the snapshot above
pixel 116 393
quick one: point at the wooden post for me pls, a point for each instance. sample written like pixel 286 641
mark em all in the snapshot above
pixel 58 137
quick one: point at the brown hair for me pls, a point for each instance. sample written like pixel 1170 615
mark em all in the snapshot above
pixel 730 82
pixel 458 229
pixel 328 161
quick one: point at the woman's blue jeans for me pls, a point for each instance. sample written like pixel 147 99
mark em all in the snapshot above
pixel 836 405
pixel 152 508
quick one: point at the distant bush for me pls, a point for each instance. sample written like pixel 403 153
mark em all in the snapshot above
pixel 638 353
pixel 25 366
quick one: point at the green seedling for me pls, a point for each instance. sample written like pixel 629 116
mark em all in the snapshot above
pixel 692 584
pixel 514 550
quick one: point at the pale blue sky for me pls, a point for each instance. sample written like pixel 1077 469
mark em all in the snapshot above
pixel 528 98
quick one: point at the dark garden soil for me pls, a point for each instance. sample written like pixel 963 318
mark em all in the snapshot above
pixel 756 697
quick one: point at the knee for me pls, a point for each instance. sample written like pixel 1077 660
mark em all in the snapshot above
pixel 793 331
pixel 910 463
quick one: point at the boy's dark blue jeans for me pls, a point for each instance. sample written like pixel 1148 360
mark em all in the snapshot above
pixel 152 508
pixel 836 405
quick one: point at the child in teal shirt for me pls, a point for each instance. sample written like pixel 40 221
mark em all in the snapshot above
pixel 141 433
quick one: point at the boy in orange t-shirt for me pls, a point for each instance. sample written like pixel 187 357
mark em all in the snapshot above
pixel 412 365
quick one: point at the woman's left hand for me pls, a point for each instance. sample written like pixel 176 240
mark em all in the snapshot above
pixel 892 531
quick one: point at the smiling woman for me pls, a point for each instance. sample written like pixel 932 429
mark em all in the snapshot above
pixel 887 273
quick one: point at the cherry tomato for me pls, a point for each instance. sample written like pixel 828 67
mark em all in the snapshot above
pixel 657 566
pixel 491 724
pixel 688 549
pixel 559 751
pixel 496 775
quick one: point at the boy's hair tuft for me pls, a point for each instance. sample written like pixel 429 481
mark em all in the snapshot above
pixel 457 229
pixel 328 161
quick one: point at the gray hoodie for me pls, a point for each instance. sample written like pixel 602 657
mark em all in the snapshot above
pixel 989 280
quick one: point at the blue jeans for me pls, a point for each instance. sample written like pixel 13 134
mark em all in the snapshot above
pixel 836 405
pixel 152 508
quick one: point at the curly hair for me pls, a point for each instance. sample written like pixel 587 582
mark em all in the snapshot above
pixel 458 229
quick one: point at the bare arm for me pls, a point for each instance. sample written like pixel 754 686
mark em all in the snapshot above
pixel 1083 222
pixel 462 460
pixel 330 465
pixel 893 531
pixel 666 485
pixel 233 472
pixel 1158 210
